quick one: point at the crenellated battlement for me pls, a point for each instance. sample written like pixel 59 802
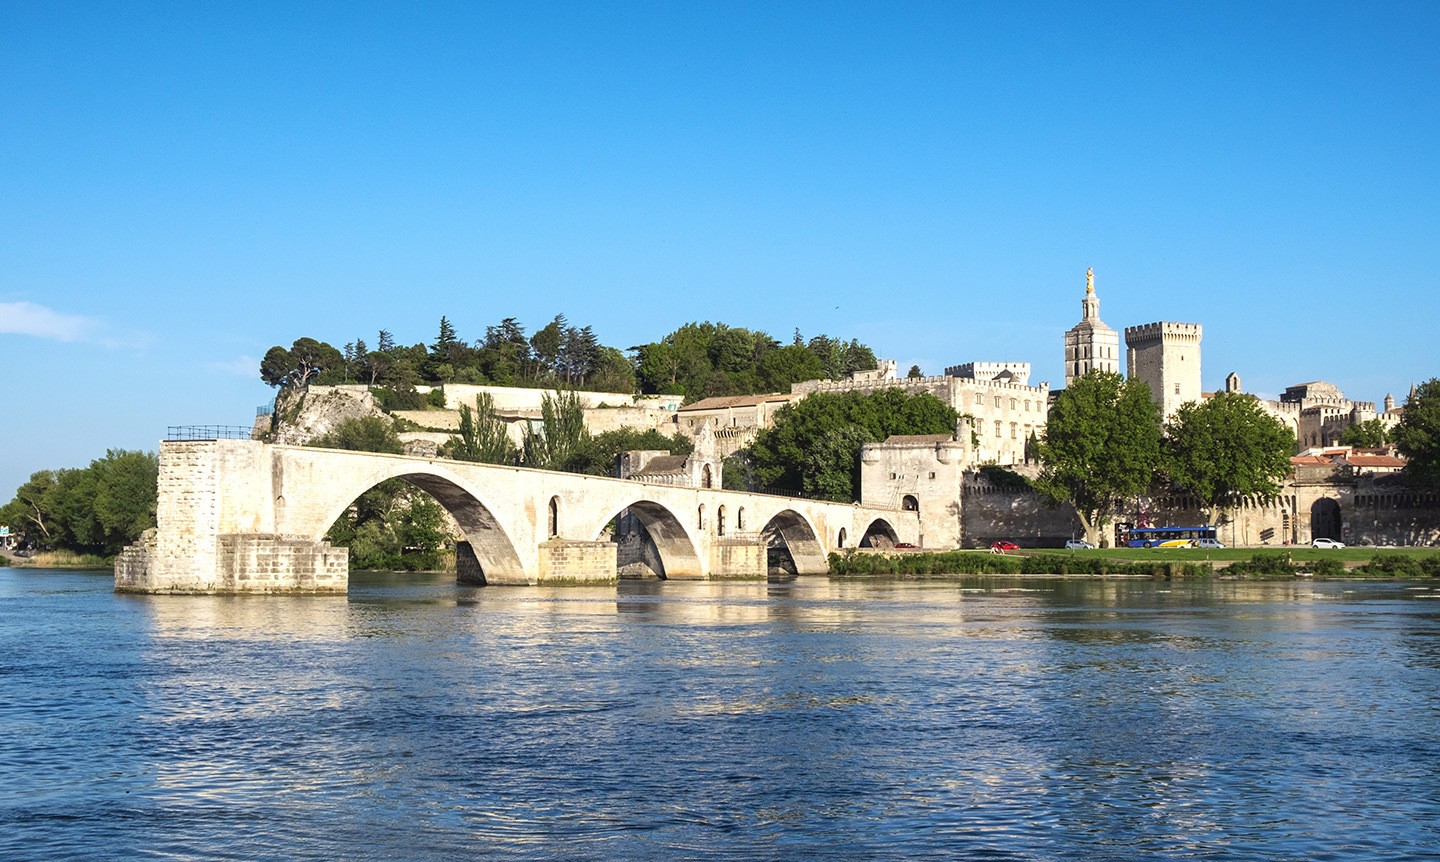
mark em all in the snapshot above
pixel 1165 330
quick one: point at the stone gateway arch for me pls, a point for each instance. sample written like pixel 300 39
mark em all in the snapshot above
pixel 243 516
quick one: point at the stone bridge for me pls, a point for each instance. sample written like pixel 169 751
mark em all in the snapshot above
pixel 241 516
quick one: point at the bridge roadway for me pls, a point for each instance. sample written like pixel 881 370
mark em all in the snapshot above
pixel 241 516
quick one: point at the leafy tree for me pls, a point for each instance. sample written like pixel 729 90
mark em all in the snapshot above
pixel 547 343
pixel 95 510
pixel 914 373
pixel 1227 449
pixel 1101 445
pixel 814 446
pixel 483 437
pixel 1418 434
pixel 304 361
pixel 561 435
pixel 612 372
pixel 1370 434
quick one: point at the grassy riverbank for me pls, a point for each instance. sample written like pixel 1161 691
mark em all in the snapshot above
pixel 58 560
pixel 1249 563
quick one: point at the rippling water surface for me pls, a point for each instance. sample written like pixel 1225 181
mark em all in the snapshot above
pixel 810 719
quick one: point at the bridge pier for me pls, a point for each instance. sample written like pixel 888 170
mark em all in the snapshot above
pixel 568 561
pixel 736 557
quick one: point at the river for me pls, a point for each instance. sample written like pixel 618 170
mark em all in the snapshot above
pixel 808 719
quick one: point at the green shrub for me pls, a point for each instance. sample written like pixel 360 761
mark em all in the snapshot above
pixel 1400 566
pixel 436 398
pixel 1263 566
pixel 1328 567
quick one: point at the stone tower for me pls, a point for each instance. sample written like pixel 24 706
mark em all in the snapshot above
pixel 1090 344
pixel 1166 356
pixel 1232 383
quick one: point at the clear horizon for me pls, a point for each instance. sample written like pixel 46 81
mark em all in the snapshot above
pixel 186 186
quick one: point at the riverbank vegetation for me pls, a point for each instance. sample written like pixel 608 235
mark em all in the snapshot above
pixel 92 511
pixel 1387 564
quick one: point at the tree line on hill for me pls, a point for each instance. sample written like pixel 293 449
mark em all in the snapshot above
pixel 697 360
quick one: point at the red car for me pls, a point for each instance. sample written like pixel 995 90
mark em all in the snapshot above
pixel 905 546
pixel 1002 547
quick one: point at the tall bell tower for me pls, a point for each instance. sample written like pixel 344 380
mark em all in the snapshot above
pixel 1090 344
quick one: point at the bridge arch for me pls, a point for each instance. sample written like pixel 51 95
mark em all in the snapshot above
pixel 790 532
pixel 880 534
pixel 489 542
pixel 677 552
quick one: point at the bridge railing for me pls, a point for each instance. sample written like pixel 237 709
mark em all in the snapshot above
pixel 209 432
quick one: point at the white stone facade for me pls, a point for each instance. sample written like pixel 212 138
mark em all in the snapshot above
pixel 1166 357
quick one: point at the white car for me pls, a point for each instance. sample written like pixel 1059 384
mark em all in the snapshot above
pixel 1326 543
pixel 1078 545
pixel 1209 543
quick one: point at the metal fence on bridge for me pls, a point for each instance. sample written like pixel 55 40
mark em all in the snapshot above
pixel 209 432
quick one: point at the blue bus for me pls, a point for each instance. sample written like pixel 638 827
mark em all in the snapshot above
pixel 1157 537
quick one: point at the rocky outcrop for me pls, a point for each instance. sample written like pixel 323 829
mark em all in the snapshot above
pixel 302 415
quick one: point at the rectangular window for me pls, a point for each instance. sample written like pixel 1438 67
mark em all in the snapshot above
pixel 997 427
pixel 932 474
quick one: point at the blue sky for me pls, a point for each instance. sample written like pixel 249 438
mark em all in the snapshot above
pixel 184 185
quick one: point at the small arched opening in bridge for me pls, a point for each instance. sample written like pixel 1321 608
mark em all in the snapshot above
pixel 707 479
pixel 397 524
pixel 700 517
pixel 910 504
pixel 651 542
pixel 740 518
pixel 840 538
pixel 554 519
pixel 720 521
pixel 1325 519
pixel 879 535
pixel 792 546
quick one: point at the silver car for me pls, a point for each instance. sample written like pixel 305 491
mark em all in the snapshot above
pixel 1209 543
pixel 1078 545
pixel 1326 543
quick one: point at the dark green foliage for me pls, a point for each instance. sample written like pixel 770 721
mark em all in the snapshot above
pixel 1370 434
pixel 366 434
pixel 1264 566
pixel 1418 434
pixel 391 527
pixel 705 360
pixel 914 373
pixel 436 398
pixel 1227 449
pixel 405 397
pixel 1101 446
pixel 1400 566
pixel 483 437
pixel 95 510
pixel 306 360
pixel 814 447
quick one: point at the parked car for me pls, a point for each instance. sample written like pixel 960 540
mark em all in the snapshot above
pixel 905 546
pixel 1078 545
pixel 1326 543
pixel 1209 543
pixel 1002 547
